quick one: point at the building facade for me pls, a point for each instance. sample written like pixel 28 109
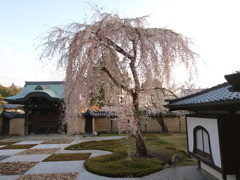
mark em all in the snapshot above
pixel 213 130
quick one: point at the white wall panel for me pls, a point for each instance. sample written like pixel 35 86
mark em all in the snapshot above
pixel 212 127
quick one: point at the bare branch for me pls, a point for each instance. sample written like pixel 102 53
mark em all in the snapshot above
pixel 162 89
pixel 115 81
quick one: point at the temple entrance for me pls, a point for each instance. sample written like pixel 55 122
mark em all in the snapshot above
pixel 43 121
pixel 42 117
pixel 43 105
pixel 88 124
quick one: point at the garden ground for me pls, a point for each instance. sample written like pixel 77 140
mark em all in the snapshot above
pixel 39 148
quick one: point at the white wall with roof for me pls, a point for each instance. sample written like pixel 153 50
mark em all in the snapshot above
pixel 211 125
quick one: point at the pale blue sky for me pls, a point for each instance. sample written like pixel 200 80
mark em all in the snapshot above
pixel 213 24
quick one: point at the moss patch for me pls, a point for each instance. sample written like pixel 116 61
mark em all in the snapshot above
pixel 68 157
pixel 107 145
pixel 19 146
pixel 8 142
pixel 161 148
pixel 119 165
pixel 188 162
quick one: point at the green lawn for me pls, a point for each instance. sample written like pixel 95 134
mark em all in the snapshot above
pixel 123 162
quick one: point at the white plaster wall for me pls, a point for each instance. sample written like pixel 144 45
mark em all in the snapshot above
pixel 212 127
pixel 215 173
pixel 211 171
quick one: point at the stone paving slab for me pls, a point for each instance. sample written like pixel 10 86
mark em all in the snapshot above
pixel 4 157
pixel 27 158
pixel 29 142
pixel 11 151
pixel 177 173
pixel 56 167
pixel 89 176
pixel 77 141
pixel 10 177
pixel 114 137
pixel 50 146
pixel 190 172
pixel 94 152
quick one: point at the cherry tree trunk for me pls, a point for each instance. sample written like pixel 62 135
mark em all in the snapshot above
pixel 161 122
pixel 140 145
pixel 141 149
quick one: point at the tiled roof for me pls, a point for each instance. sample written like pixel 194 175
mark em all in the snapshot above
pixel 11 115
pixel 52 90
pixel 97 114
pixel 112 114
pixel 216 96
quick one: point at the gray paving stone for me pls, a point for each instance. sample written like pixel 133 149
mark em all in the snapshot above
pixel 89 176
pixel 190 172
pixel 10 177
pixel 50 146
pixel 27 158
pixel 177 173
pixel 4 157
pixel 30 142
pixel 11 151
pixel 114 137
pixel 56 167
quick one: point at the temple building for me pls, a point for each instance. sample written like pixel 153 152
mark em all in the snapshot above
pixel 42 105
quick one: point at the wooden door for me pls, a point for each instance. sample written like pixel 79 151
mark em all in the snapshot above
pixel 44 122
pixel 88 125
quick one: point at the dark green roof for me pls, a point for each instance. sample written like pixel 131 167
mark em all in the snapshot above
pixel 51 90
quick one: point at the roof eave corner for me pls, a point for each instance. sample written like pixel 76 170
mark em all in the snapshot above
pixel 234 80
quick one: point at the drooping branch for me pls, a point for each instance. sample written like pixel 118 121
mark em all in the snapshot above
pixel 162 89
pixel 116 82
pixel 118 49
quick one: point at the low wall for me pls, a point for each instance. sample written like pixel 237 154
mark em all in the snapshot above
pixel 16 126
pixel 108 125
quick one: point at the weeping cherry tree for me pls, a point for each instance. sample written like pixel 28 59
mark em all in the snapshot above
pixel 121 55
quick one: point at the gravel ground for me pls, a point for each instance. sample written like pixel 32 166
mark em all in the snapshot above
pixel 15 168
pixel 39 151
pixel 58 141
pixel 51 176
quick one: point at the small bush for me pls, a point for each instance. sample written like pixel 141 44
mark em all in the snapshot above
pixel 162 141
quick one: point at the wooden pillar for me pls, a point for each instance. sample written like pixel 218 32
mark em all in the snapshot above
pixel 111 121
pixel 93 125
pixel 26 124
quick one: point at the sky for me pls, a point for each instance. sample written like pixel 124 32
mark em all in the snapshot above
pixel 213 25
